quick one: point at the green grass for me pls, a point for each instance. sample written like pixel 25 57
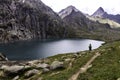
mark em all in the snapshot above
pixel 107 66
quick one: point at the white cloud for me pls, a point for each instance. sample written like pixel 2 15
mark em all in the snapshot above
pixel 86 6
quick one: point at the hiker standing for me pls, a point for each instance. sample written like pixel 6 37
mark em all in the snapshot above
pixel 90 47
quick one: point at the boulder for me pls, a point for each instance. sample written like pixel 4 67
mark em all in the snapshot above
pixel 63 57
pixel 31 73
pixel 118 79
pixel 1 73
pixel 68 59
pixel 12 69
pixel 3 57
pixel 75 55
pixel 43 65
pixel 16 78
pixel 45 70
pixel 40 78
pixel 33 62
pixel 56 64
pixel 54 73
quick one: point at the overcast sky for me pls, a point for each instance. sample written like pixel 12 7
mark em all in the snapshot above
pixel 86 6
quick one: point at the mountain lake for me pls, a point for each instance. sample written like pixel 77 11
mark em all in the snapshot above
pixel 36 49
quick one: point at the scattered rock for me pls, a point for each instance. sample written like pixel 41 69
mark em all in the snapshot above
pixel 63 57
pixel 67 60
pixel 83 69
pixel 3 57
pixel 43 65
pixel 54 73
pixel 118 79
pixel 56 64
pixel 74 55
pixel 82 53
pixel 25 67
pixel 32 63
pixel 90 66
pixel 16 78
pixel 31 73
pixel 45 60
pixel 40 78
pixel 1 73
pixel 12 69
pixel 45 70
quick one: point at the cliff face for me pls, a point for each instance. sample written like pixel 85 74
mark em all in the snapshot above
pixel 28 19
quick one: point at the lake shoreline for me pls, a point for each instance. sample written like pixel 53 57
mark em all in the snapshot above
pixel 37 49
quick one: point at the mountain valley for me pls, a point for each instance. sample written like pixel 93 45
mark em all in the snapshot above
pixel 22 20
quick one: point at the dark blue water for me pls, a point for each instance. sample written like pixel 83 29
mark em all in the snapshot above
pixel 36 49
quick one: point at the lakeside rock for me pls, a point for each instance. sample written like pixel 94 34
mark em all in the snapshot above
pixel 12 69
pixel 31 72
pixel 29 68
pixel 56 64
pixel 43 65
pixel 3 57
pixel 16 78
pixel 45 70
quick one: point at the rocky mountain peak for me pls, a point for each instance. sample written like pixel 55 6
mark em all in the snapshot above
pixel 67 11
pixel 100 11
pixel 72 8
pixel 103 14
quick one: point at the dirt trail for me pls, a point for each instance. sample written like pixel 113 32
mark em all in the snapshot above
pixel 84 68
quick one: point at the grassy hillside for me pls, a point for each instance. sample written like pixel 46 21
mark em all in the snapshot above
pixel 106 67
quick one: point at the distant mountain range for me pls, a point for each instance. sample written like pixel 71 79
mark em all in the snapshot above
pixel 76 18
pixel 98 16
pixel 85 27
pixel 101 13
